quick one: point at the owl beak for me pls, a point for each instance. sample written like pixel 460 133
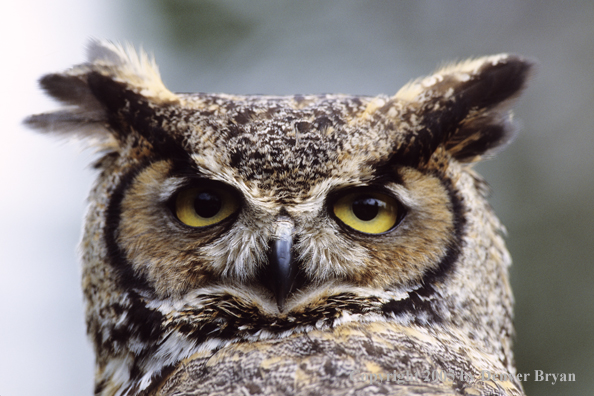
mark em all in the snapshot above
pixel 281 271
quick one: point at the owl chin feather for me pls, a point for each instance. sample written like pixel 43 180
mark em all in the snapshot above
pixel 296 244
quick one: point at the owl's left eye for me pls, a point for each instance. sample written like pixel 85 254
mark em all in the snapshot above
pixel 204 206
pixel 369 212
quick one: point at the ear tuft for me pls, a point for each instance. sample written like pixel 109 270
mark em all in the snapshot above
pixel 465 106
pixel 86 113
pixel 138 70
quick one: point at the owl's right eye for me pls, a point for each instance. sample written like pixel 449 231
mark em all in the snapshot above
pixel 369 212
pixel 204 206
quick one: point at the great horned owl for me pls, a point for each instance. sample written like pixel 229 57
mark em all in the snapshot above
pixel 299 245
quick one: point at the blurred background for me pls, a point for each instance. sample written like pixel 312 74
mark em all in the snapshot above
pixel 543 184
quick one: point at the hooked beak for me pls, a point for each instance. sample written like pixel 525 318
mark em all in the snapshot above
pixel 282 268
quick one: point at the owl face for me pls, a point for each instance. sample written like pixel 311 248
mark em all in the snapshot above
pixel 219 216
pixel 221 219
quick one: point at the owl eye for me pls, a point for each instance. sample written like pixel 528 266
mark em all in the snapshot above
pixel 369 212
pixel 201 207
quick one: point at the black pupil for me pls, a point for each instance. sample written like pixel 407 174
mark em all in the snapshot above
pixel 207 204
pixel 366 208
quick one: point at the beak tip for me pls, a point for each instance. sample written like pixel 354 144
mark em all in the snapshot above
pixel 282 292
pixel 280 303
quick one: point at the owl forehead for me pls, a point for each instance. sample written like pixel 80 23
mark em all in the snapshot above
pixel 287 145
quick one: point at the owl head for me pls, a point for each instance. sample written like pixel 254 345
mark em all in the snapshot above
pixel 219 219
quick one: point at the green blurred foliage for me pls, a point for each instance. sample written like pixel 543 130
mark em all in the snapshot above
pixel 205 28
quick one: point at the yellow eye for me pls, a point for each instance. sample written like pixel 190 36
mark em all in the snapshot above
pixel 201 207
pixel 369 212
